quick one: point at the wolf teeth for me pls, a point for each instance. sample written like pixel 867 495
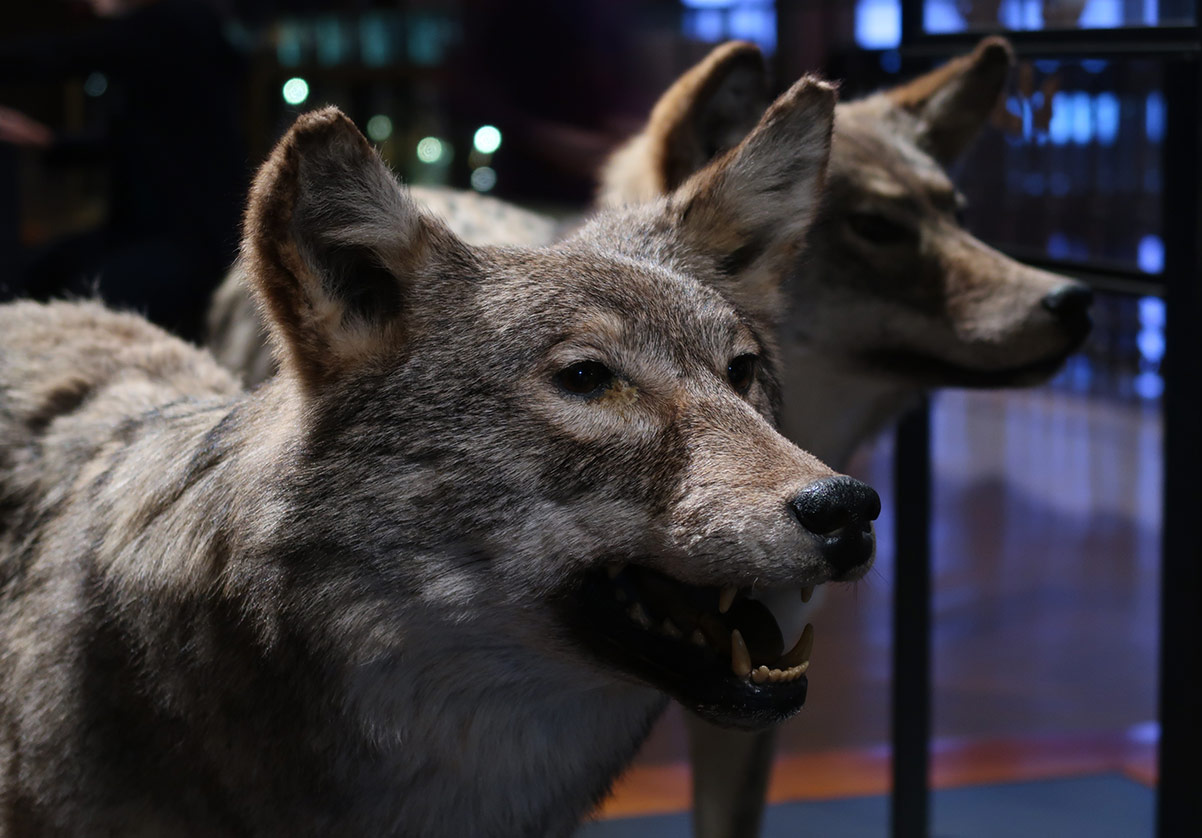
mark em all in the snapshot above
pixel 740 658
pixel 763 674
pixel 792 665
pixel 727 598
pixel 800 653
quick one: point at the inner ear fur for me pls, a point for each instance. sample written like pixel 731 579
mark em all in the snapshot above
pixel 952 102
pixel 705 112
pixel 749 210
pixel 331 242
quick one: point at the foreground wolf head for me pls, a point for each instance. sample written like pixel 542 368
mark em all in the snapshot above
pixel 435 577
pixel 889 296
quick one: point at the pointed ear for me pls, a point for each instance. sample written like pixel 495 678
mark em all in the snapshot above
pixel 748 212
pixel 705 112
pixel 332 244
pixel 953 102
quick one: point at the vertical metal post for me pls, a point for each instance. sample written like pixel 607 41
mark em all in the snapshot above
pixel 1179 804
pixel 911 21
pixel 910 809
pixel 909 812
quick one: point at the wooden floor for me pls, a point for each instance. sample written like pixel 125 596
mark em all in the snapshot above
pixel 1046 573
pixel 654 789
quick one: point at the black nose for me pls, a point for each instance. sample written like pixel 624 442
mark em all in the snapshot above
pixel 840 510
pixel 1070 301
pixel 833 503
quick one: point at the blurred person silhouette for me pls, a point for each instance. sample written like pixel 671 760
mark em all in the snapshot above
pixel 170 139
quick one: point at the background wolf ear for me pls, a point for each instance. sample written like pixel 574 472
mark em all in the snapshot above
pixel 952 102
pixel 705 112
pixel 331 243
pixel 749 210
pixel 709 110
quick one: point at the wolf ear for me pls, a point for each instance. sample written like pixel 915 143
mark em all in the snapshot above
pixel 332 243
pixel 748 211
pixel 705 112
pixel 951 103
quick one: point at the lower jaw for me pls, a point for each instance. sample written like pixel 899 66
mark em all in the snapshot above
pixel 718 684
pixel 923 370
pixel 716 696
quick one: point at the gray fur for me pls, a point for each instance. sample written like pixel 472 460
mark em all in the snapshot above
pixel 328 607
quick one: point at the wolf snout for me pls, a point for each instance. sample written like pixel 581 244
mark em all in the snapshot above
pixel 840 511
pixel 1069 303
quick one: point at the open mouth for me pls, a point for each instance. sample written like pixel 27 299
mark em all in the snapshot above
pixel 721 652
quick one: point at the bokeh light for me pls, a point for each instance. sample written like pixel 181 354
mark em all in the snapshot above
pixel 483 179
pixel 95 84
pixel 296 91
pixel 429 150
pixel 379 128
pixel 487 139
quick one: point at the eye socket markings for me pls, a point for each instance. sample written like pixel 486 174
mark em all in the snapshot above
pixel 879 229
pixel 585 378
pixel 592 378
pixel 740 372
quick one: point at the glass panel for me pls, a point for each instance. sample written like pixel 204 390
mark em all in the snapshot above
pixel 720 20
pixel 1121 358
pixel 943 16
pixel 878 24
pixel 1075 172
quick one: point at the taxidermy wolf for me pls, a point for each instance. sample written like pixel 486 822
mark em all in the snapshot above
pixel 438 576
pixel 889 295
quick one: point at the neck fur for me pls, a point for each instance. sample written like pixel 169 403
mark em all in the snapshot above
pixel 830 410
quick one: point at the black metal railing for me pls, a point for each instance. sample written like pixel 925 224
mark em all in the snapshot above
pixel 1179 805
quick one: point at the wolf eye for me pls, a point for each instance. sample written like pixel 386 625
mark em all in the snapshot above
pixel 585 378
pixel 879 229
pixel 740 372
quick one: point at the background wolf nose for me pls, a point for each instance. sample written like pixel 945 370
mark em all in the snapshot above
pixel 833 503
pixel 1069 301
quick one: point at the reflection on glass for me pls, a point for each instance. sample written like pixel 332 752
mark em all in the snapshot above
pixel 1148 383
pixel 944 16
pixel 331 41
pixel 878 24
pixel 1075 172
pixel 373 38
pixel 719 20
pixel 1122 356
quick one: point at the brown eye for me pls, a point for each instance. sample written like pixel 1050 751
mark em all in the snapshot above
pixel 585 378
pixel 741 373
